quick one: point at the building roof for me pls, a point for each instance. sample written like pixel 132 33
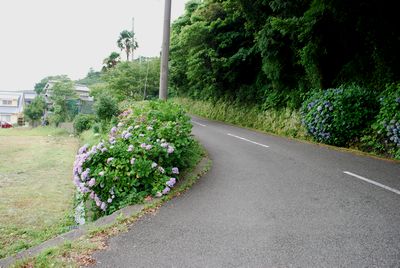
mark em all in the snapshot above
pixel 81 90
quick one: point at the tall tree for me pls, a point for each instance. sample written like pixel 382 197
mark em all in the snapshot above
pixel 62 96
pixel 127 42
pixel 34 111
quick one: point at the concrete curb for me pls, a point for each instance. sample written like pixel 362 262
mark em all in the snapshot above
pixel 126 212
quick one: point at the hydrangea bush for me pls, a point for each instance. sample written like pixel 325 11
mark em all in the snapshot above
pixel 142 156
pixel 335 116
pixel 387 122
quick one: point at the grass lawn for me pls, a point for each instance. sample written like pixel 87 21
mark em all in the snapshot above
pixel 36 190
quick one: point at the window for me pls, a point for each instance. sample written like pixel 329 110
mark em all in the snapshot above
pixel 7 102
pixel 6 118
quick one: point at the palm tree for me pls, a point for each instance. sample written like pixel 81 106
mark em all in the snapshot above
pixel 126 41
pixel 111 61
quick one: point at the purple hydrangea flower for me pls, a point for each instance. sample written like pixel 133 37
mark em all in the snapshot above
pixel 92 182
pixel 100 145
pixel 83 149
pixel 175 170
pixel 154 165
pixel 77 181
pixel 166 190
pixel 133 161
pixel 111 140
pixel 148 147
pixel 110 159
pixel 170 149
pixel 93 150
pixel 130 148
pixel 143 145
pixel 109 200
pixel 113 131
pixel 127 135
pixel 103 206
pixel 103 150
pixel 164 145
pixel 171 182
pixel 85 174
pixel 92 195
pixel 97 201
pixel 161 170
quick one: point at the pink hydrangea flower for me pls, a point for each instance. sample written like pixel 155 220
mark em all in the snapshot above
pixel 166 190
pixel 92 182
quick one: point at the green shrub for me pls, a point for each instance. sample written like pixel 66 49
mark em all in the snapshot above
pixel 335 116
pixel 106 107
pixel 286 122
pixel 142 157
pixel 83 122
pixel 96 127
pixel 387 124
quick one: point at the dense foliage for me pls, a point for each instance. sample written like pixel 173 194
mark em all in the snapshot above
pixel 272 55
pixel 136 80
pixel 387 125
pixel 63 98
pixel 83 122
pixel 106 107
pixel 143 156
pixel 35 111
pixel 92 77
pixel 335 116
pixel 271 52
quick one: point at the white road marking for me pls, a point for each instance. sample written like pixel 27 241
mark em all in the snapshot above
pixel 373 182
pixel 260 144
pixel 197 123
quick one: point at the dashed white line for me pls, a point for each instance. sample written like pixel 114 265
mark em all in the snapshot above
pixel 241 138
pixel 197 123
pixel 373 182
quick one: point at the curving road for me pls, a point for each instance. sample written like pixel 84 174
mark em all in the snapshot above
pixel 271 202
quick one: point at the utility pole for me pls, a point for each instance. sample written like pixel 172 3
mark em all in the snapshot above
pixel 165 52
pixel 133 36
pixel 145 83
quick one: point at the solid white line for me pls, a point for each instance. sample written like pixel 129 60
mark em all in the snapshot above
pixel 373 182
pixel 197 123
pixel 263 145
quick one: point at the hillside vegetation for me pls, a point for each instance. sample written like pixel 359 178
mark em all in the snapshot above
pixel 334 62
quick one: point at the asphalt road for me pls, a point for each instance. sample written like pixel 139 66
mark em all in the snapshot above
pixel 271 202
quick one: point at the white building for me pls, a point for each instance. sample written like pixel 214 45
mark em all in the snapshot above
pixel 12 106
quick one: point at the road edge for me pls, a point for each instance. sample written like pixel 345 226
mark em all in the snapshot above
pixel 128 215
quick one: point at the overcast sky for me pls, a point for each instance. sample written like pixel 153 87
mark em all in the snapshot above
pixel 50 37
